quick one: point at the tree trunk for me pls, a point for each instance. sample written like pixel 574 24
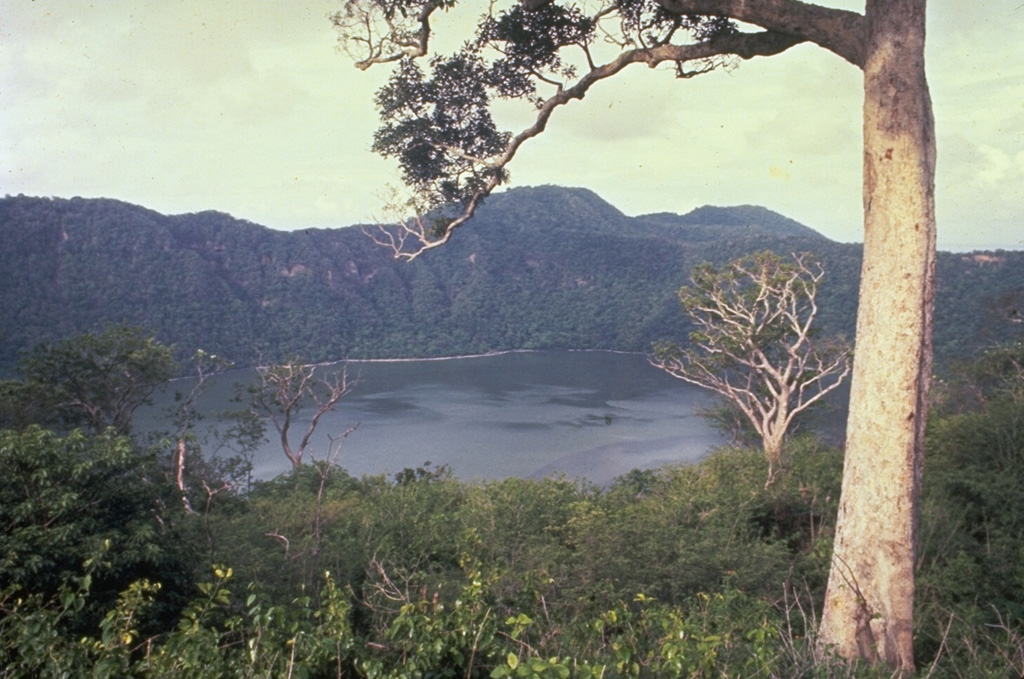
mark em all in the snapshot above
pixel 179 474
pixel 772 439
pixel 869 602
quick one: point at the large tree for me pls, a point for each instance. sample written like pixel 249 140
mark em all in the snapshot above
pixel 754 342
pixel 438 124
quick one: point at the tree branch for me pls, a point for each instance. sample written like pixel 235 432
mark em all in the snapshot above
pixel 839 31
pixel 743 45
pixel 394 44
pixel 282 391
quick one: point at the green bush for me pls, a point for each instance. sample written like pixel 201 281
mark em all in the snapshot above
pixel 70 501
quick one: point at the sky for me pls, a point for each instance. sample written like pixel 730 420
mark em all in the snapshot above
pixel 249 107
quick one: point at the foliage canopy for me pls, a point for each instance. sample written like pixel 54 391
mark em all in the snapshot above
pixel 96 380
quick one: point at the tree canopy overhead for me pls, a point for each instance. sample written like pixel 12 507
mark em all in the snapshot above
pixel 437 118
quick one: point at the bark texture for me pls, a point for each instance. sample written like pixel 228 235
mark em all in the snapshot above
pixel 869 603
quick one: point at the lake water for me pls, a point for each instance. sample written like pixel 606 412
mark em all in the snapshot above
pixel 532 414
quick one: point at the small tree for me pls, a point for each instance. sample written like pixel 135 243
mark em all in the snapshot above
pixel 96 381
pixel 285 388
pixel 185 414
pixel 754 343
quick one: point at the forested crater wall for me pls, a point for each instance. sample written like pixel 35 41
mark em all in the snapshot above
pixel 544 267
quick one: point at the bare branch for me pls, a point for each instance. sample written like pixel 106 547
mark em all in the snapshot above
pixel 375 34
pixel 283 540
pixel 285 388
pixel 752 344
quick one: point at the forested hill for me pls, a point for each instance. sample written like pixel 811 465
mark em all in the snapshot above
pixel 540 267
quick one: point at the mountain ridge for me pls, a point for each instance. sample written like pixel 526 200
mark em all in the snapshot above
pixel 755 216
pixel 539 267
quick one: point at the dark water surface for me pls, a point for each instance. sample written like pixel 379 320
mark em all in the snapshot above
pixel 583 414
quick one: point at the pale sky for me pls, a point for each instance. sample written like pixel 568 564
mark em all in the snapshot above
pixel 248 107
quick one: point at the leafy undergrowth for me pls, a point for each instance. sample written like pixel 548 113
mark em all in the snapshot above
pixel 698 571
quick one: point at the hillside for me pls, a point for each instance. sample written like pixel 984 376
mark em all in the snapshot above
pixel 542 267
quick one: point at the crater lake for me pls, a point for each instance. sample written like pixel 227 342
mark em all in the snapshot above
pixel 582 414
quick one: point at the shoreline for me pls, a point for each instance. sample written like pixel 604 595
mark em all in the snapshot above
pixel 415 359
pixel 423 359
pixel 488 354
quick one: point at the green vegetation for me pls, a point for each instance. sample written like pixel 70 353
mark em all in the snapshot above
pixel 691 571
pixel 90 381
pixel 547 268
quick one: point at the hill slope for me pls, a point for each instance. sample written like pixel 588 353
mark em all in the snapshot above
pixel 543 267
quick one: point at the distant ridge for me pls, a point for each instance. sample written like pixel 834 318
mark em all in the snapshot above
pixel 752 218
